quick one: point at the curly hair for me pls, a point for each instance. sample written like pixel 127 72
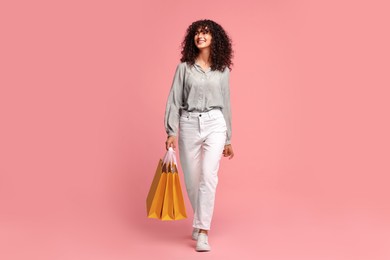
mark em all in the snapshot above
pixel 221 45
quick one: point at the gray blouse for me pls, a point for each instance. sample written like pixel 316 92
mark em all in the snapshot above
pixel 196 90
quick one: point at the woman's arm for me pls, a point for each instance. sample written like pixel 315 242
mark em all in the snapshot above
pixel 173 106
pixel 225 81
pixel 228 150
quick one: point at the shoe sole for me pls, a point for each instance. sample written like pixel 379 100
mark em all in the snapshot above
pixel 202 250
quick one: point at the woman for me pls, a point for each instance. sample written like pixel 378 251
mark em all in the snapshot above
pixel 199 105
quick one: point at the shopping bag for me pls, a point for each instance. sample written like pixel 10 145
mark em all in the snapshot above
pixel 173 204
pixel 165 199
pixel 167 208
pixel 155 198
pixel 179 209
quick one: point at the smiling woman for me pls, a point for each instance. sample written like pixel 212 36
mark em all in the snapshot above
pixel 203 38
pixel 217 45
pixel 199 104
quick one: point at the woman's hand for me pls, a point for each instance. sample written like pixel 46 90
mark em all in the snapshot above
pixel 228 151
pixel 170 142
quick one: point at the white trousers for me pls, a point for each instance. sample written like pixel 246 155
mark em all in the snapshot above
pixel 202 139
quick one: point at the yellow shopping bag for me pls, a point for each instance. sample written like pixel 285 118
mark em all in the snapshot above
pixel 178 201
pixel 156 193
pixel 167 209
pixel 165 198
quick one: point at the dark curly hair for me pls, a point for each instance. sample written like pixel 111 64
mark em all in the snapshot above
pixel 221 45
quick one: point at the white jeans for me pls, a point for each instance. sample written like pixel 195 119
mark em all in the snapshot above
pixel 202 139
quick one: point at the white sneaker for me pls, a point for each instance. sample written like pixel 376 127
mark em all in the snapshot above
pixel 202 245
pixel 195 233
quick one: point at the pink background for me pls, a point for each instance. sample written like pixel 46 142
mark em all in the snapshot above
pixel 83 86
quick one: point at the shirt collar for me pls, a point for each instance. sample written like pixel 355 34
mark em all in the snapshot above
pixel 197 66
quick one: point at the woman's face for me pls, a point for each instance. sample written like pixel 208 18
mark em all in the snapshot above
pixel 203 38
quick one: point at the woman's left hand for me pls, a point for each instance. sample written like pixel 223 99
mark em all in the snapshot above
pixel 228 151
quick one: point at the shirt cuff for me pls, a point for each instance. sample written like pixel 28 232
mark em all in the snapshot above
pixel 172 134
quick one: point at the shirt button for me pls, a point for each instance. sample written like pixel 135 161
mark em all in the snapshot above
pixel 200 115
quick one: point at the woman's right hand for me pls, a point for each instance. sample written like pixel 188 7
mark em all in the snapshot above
pixel 170 142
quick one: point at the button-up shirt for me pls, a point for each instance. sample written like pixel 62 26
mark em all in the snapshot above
pixel 197 90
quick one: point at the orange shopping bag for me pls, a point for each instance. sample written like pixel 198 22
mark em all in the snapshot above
pixel 156 193
pixel 165 199
pixel 179 209
pixel 167 208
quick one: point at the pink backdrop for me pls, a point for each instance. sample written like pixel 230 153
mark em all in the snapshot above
pixel 83 86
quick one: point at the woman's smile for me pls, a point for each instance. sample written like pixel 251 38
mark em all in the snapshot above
pixel 202 38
